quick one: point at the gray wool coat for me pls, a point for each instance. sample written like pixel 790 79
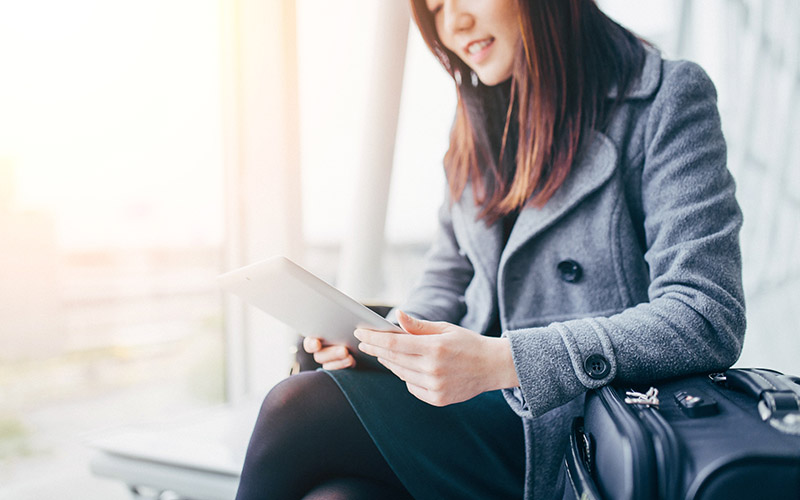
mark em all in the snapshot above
pixel 631 272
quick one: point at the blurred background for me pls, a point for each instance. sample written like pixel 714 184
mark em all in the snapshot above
pixel 147 146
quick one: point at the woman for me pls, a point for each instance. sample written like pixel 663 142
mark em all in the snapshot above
pixel 589 235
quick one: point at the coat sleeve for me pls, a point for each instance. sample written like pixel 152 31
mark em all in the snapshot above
pixel 694 320
pixel 439 294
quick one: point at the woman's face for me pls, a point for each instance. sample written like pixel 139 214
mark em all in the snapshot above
pixel 485 34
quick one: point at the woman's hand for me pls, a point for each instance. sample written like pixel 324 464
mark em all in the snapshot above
pixel 333 357
pixel 442 363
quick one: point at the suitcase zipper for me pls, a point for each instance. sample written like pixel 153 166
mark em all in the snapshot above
pixel 643 462
pixel 665 443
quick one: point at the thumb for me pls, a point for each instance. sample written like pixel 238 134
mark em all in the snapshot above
pixel 419 326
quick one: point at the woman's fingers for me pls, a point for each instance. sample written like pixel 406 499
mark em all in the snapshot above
pixel 428 396
pixel 419 379
pixel 335 357
pixel 396 342
pixel 421 327
pixel 331 353
pixel 340 364
pixel 412 361
pixel 312 345
pixel 421 392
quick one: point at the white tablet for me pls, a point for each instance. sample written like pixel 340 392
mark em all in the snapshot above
pixel 305 303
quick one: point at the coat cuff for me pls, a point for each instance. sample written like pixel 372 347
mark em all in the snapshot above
pixel 555 364
pixel 517 402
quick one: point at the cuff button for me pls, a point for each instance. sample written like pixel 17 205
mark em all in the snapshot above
pixel 597 366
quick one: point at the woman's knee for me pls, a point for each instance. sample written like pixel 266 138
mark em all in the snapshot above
pixel 295 398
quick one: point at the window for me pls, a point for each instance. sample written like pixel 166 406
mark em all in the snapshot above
pixel 111 222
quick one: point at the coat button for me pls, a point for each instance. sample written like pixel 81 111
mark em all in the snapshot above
pixel 570 270
pixel 596 366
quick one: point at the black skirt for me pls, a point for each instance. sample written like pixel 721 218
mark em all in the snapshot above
pixel 469 450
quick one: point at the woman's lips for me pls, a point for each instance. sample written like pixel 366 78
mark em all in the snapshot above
pixel 478 50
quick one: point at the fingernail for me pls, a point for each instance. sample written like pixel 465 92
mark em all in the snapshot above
pixel 357 334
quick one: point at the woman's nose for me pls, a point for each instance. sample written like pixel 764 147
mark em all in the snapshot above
pixel 456 16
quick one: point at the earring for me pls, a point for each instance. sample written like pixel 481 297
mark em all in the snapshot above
pixel 457 76
pixel 474 78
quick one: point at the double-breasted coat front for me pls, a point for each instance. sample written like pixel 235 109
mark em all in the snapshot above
pixel 631 271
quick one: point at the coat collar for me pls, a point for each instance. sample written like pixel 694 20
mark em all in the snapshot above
pixel 595 166
pixel 649 79
pixel 484 243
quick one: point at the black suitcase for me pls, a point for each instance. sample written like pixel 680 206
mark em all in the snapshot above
pixel 722 436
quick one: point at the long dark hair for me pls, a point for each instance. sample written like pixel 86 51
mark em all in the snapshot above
pixel 516 142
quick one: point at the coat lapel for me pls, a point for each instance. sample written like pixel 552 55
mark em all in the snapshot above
pixel 593 169
pixel 484 242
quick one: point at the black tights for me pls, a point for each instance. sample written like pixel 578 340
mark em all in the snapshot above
pixel 309 444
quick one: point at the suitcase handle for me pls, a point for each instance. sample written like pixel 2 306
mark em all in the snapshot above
pixel 579 464
pixel 778 395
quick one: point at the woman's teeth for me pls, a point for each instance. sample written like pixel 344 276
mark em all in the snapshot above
pixel 476 47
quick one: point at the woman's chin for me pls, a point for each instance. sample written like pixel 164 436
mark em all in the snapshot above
pixel 490 79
